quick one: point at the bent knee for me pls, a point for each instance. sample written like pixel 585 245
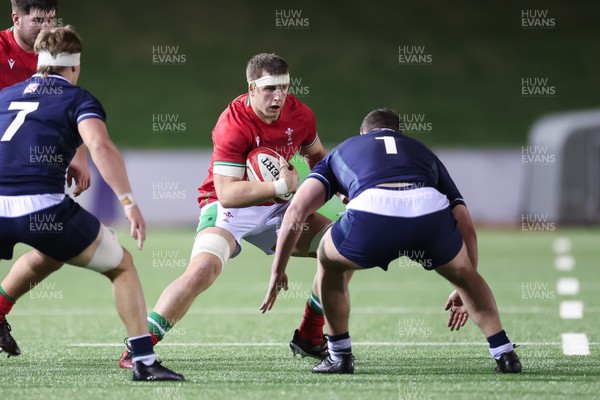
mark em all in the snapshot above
pixel 126 260
pixel 105 255
pixel 202 271
pixel 125 264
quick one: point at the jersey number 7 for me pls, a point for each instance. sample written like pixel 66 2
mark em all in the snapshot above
pixel 24 107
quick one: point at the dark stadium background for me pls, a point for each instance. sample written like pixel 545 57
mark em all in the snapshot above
pixel 347 57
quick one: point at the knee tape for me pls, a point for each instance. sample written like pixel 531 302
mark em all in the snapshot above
pixel 109 253
pixel 213 244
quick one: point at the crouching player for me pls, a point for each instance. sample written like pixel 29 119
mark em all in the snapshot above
pixel 43 121
pixel 402 201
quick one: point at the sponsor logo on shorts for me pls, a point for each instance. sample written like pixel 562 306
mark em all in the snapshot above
pixel 227 215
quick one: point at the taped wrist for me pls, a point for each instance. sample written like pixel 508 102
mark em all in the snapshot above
pixel 127 200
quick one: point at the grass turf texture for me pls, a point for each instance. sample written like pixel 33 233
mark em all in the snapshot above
pixel 402 306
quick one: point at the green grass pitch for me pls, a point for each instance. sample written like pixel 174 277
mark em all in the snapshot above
pixel 69 332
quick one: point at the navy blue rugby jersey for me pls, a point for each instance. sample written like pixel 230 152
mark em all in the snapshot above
pixel 383 156
pixel 38 133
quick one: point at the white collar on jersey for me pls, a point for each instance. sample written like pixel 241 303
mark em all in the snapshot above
pixel 379 129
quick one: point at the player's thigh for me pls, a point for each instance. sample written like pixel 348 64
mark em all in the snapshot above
pixel 63 231
pixel 331 259
pixel 211 235
pixel 458 269
pixel 313 231
pixel 37 260
pixel 234 224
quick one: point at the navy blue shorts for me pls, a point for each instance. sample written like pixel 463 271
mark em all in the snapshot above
pixel 62 231
pixel 373 240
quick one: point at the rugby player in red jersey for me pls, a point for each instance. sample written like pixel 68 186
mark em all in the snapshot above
pixel 233 208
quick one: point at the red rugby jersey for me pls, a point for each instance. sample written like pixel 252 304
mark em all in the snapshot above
pixel 239 130
pixel 16 64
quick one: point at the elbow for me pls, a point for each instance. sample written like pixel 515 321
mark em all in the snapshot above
pixel 229 193
pixel 228 200
pixel 101 149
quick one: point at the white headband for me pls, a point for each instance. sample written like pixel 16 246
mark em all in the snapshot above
pixel 271 80
pixel 61 59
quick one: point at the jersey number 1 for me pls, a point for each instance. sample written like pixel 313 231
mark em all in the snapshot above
pixel 390 144
pixel 24 107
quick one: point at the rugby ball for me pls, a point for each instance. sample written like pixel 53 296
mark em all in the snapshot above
pixel 262 165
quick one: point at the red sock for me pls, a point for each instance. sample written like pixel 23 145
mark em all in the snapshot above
pixel 312 324
pixel 154 339
pixel 5 305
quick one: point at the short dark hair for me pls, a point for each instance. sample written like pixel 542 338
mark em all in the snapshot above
pixel 382 118
pixel 25 6
pixel 270 62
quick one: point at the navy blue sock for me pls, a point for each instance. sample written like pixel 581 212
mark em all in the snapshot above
pixel 498 339
pixel 142 349
pixel 339 345
pixel 499 344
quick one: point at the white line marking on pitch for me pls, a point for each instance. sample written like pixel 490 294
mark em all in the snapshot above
pixel 575 344
pixel 95 312
pixel 567 286
pixel 562 245
pixel 571 309
pixel 272 344
pixel 564 263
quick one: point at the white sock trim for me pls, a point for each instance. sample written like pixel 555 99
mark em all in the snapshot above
pixel 316 302
pixel 339 348
pixel 496 352
pixel 148 359
pixel 138 337
pixel 153 322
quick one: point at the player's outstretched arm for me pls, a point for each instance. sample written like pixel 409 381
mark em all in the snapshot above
pixel 111 166
pixel 458 312
pixel 315 153
pixel 79 172
pixel 307 200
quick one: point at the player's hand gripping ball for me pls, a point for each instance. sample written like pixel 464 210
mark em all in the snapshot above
pixel 262 165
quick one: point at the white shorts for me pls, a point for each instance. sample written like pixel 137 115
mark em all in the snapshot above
pixel 258 225
pixel 400 203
